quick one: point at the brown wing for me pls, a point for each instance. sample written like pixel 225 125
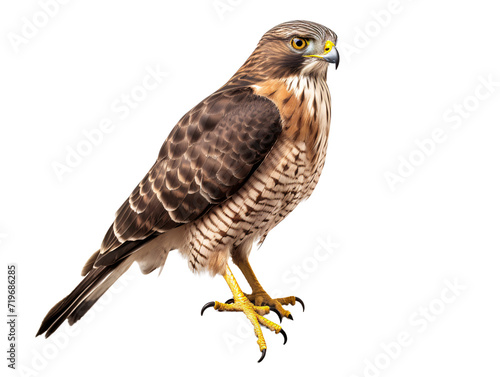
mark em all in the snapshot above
pixel 208 156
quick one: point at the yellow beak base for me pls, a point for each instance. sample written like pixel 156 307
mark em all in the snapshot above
pixel 330 54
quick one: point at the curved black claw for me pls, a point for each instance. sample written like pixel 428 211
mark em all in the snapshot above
pixel 263 355
pixel 207 305
pixel 301 303
pixel 290 316
pixel 284 335
pixel 278 313
pixel 230 301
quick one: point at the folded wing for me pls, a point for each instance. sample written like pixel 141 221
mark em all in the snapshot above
pixel 206 158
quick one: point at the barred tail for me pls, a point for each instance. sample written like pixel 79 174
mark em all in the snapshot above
pixel 77 303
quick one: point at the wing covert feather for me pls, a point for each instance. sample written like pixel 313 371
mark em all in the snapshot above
pixel 207 157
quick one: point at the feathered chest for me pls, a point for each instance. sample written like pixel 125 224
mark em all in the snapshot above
pixel 304 104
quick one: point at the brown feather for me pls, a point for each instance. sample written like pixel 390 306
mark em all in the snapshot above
pixel 190 175
pixel 231 169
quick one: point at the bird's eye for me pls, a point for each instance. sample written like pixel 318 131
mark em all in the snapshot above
pixel 299 43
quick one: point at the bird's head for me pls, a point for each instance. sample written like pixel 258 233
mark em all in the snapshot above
pixel 295 48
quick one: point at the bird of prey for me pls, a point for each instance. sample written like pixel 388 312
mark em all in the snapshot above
pixel 231 169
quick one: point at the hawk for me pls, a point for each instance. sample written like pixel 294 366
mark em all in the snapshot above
pixel 231 169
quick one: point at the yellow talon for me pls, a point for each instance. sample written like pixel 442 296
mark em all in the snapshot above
pixel 254 313
pixel 260 297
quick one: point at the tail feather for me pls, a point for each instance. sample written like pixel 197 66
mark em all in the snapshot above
pixel 81 299
pixel 96 294
pixel 89 265
pixel 102 272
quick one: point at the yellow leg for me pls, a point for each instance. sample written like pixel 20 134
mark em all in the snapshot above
pixel 259 296
pixel 254 313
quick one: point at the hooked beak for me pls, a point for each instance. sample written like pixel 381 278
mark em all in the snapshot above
pixel 331 55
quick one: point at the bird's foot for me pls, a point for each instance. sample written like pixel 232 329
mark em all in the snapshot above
pixel 261 298
pixel 254 313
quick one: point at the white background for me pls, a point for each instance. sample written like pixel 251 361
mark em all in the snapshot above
pixel 389 253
